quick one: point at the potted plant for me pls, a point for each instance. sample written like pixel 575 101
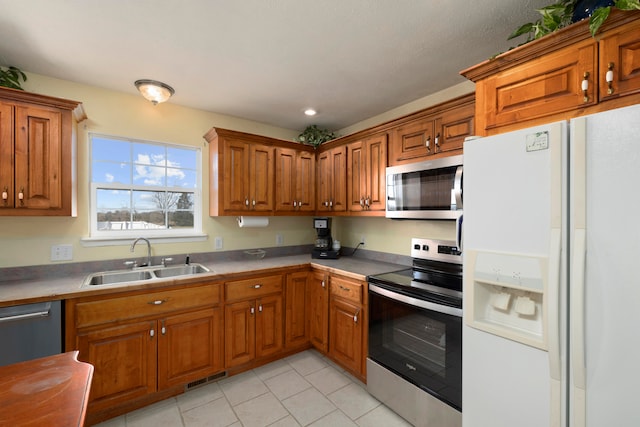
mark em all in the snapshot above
pixel 565 12
pixel 315 136
pixel 11 76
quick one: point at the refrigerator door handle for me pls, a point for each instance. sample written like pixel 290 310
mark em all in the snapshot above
pixel 553 319
pixel 578 326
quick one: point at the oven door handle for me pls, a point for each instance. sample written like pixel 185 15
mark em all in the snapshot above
pixel 457 312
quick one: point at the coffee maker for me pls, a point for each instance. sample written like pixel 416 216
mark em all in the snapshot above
pixel 323 247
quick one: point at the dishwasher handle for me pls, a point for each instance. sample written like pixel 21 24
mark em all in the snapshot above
pixel 27 316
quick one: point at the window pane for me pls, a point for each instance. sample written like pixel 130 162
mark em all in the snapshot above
pixel 110 149
pixel 148 220
pixel 181 158
pixel 149 154
pixel 181 178
pixel 109 172
pixel 149 175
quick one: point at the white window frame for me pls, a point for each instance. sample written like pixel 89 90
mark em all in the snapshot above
pixel 115 237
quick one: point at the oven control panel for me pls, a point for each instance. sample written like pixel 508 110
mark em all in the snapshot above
pixel 436 250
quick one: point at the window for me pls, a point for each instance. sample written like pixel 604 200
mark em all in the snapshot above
pixel 143 188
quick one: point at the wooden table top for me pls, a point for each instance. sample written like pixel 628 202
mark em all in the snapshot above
pixel 50 391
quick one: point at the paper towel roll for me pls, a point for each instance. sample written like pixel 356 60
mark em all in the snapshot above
pixel 252 221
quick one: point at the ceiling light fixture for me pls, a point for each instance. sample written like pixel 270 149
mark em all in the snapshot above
pixel 154 91
pixel 310 112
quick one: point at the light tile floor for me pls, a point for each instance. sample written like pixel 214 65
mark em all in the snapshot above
pixel 305 389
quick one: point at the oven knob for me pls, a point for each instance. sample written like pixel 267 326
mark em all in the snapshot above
pixel 425 247
pixel 416 247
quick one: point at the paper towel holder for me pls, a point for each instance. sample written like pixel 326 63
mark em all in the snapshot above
pixel 252 221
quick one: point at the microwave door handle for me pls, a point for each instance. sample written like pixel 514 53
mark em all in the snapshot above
pixel 457 187
pixel 459 232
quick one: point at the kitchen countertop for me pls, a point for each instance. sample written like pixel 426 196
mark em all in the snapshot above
pixel 15 292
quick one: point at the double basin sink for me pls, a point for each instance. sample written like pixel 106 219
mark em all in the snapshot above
pixel 142 274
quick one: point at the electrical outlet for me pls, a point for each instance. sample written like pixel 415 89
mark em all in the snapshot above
pixel 218 242
pixel 61 253
pixel 362 240
pixel 279 240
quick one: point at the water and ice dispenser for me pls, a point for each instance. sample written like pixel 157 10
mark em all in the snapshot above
pixel 506 295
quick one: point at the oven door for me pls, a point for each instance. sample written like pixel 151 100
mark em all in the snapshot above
pixel 420 341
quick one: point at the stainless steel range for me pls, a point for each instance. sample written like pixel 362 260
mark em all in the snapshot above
pixel 414 365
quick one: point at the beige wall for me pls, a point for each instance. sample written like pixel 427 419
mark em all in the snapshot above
pixel 28 241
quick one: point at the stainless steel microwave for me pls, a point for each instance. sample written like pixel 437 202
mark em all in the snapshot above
pixel 430 189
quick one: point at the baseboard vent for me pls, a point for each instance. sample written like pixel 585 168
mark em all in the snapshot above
pixel 202 381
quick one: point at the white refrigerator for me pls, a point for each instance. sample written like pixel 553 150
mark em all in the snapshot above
pixel 551 331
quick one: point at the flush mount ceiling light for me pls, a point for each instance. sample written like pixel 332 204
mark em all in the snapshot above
pixel 310 112
pixel 154 91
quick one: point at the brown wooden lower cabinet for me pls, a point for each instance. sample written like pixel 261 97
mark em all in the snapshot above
pixel 166 340
pixel 296 327
pixel 318 303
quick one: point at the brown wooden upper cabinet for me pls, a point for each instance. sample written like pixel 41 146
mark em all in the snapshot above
pixel 367 162
pixel 562 75
pixel 37 146
pixel 331 180
pixel 439 132
pixel 295 181
pixel 257 175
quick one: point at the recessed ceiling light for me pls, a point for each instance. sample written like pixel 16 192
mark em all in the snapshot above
pixel 310 112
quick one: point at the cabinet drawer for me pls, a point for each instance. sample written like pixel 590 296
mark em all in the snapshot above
pixel 347 289
pixel 253 288
pixel 108 310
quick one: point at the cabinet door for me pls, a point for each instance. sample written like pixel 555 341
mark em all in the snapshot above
pixel 550 84
pixel 339 179
pixel 324 180
pixel 357 176
pixel 38 158
pixel 190 347
pixel 376 158
pixel 318 303
pixel 269 326
pixel 124 360
pixel 453 127
pixel 285 180
pixel 296 324
pixel 620 53
pixel 261 172
pixel 306 181
pixel 236 175
pixel 412 141
pixel 346 334
pixel 6 155
pixel 240 333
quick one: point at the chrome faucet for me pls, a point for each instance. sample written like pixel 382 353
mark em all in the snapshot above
pixel 133 245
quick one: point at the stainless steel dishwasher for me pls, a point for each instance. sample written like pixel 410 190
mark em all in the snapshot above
pixel 30 331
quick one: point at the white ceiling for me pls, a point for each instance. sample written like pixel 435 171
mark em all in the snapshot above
pixel 264 60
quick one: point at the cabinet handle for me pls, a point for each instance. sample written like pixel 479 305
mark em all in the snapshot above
pixel 585 87
pixel 246 201
pixel 427 144
pixel 5 194
pixel 157 302
pixel 21 196
pixel 252 311
pixel 260 308
pixel 163 330
pixel 437 143
pixel 295 204
pixel 323 284
pixel 367 201
pixel 355 316
pixel 256 286
pixel 344 289
pixel 330 203
pixel 609 78
pixel 152 332
pixel 254 203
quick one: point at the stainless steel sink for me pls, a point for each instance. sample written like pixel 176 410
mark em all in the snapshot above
pixel 180 270
pixel 110 277
pixel 154 272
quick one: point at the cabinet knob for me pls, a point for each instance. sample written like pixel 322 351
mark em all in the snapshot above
pixel 152 333
pixel 609 78
pixel 252 311
pixel 21 196
pixel 256 286
pixel 437 142
pixel 246 201
pixel 427 144
pixel 295 204
pixel 260 308
pixel 355 316
pixel 5 194
pixel 157 302
pixel 331 203
pixel 323 284
pixel 362 202
pixel 254 203
pixel 585 87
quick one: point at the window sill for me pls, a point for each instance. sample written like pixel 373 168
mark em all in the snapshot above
pixel 125 240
